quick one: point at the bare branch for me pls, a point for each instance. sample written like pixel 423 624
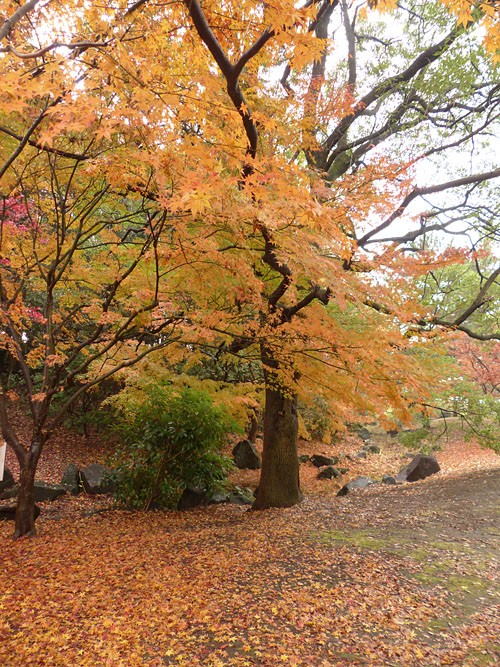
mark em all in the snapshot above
pixel 317 292
pixel 391 84
pixel 47 149
pixel 50 47
pixel 229 71
pixel 16 17
pixel 418 192
pixel 272 261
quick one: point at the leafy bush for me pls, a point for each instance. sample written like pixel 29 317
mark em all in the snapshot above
pixel 316 418
pixel 414 439
pixel 170 438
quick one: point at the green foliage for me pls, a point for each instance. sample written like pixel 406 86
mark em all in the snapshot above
pixel 414 439
pixel 170 438
pixel 316 417
pixel 479 413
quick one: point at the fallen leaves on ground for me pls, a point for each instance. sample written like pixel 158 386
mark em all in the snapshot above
pixel 390 576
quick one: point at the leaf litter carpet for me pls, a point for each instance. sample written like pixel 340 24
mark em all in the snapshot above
pixel 389 576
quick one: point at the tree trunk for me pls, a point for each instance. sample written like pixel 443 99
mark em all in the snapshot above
pixel 279 484
pixel 254 428
pixel 25 510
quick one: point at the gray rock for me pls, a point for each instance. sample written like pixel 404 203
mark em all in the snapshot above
pixel 360 455
pixel 218 498
pixel 358 483
pixel 71 479
pixel 43 491
pixel 246 456
pixel 364 433
pixel 10 493
pixel 8 512
pixel 388 479
pixel 319 460
pixel 192 497
pixel 329 473
pixel 304 458
pixel 8 480
pixel 242 497
pixel 372 448
pixel 421 467
pixel 97 479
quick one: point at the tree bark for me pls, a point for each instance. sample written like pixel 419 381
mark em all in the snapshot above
pixel 279 484
pixel 25 510
pixel 254 428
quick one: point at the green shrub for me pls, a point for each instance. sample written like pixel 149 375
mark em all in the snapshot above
pixel 414 439
pixel 170 438
pixel 316 418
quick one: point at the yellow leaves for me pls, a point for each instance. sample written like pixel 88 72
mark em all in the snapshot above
pixel 55 360
pixel 486 15
pixel 36 356
pixel 198 201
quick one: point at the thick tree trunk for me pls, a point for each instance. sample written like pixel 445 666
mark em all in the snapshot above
pixel 25 510
pixel 279 484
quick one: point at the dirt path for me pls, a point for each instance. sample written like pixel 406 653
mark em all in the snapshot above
pixel 450 528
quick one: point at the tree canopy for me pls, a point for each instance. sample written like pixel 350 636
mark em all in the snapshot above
pixel 271 182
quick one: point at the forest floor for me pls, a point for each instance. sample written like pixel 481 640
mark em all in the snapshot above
pixel 392 576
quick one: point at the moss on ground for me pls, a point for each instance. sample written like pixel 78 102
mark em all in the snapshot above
pixel 437 563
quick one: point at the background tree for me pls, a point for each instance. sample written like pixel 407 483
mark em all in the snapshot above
pixel 344 122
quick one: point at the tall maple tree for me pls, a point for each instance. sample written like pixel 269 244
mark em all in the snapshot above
pixel 231 172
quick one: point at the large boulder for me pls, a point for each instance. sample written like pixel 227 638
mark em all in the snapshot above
pixel 246 456
pixel 8 512
pixel 219 498
pixel 97 479
pixel 8 480
pixel 237 496
pixel 71 479
pixel 421 467
pixel 43 491
pixel 192 497
pixel 319 460
pixel 358 483
pixel 329 473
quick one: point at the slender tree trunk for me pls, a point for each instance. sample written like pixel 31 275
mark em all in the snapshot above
pixel 25 510
pixel 279 484
pixel 254 428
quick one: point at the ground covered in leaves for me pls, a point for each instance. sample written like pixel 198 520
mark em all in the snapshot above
pixel 387 576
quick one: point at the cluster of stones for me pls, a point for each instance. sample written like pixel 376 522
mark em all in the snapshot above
pixel 245 457
pixel 93 479
pixel 193 497
pixel 327 464
pixel 368 447
pixel 420 467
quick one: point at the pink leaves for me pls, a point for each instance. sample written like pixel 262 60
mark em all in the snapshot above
pixel 15 212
